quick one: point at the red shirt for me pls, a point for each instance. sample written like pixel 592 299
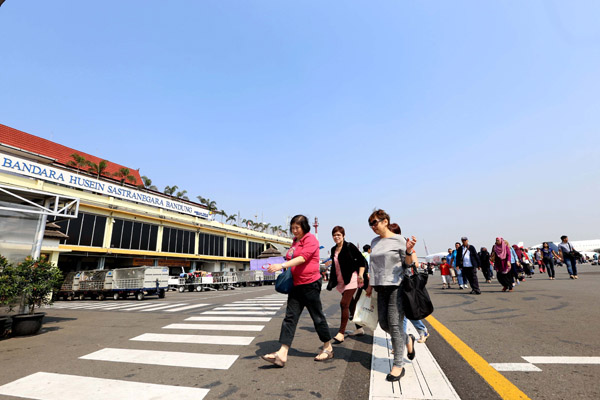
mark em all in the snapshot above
pixel 445 268
pixel 307 247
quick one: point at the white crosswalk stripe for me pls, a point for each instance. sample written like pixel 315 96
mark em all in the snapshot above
pixel 195 339
pixel 49 386
pixel 166 358
pixel 216 327
pixel 247 308
pixel 229 319
pixel 239 312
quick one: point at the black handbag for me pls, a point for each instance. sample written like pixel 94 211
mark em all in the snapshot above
pixel 415 298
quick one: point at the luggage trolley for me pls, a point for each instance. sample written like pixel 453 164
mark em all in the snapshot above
pixel 140 281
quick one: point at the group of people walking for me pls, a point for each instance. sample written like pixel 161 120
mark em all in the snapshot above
pixel 511 264
pixel 390 259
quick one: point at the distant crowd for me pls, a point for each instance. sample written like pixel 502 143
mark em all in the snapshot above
pixel 510 264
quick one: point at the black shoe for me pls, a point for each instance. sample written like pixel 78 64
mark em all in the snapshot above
pixel 411 356
pixel 472 292
pixel 394 378
pixel 478 292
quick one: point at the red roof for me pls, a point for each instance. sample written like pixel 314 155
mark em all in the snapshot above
pixel 62 154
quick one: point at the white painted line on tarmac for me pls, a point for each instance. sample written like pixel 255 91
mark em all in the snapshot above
pixel 194 339
pixel 217 327
pixel 187 307
pixel 230 319
pixel 260 301
pixel 166 358
pixel 423 379
pixel 121 306
pixel 164 307
pixel 49 386
pixel 145 306
pixel 515 367
pixel 562 360
pixel 239 312
pixel 246 308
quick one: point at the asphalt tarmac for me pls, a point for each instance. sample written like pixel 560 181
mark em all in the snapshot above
pixel 540 318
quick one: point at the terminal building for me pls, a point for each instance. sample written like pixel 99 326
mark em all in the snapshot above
pixel 117 224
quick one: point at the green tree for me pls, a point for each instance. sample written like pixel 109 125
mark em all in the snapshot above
pixel 124 174
pixel 231 218
pixel 78 161
pixel 181 195
pixel 170 190
pixel 98 169
pixel 147 183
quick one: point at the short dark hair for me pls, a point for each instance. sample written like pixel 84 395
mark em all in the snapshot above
pixel 366 247
pixel 338 229
pixel 395 228
pixel 456 243
pixel 563 237
pixel 302 221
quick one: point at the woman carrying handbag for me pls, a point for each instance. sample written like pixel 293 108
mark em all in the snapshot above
pixel 347 276
pixel 391 254
pixel 303 259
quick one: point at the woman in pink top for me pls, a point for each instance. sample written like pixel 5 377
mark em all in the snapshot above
pixel 347 275
pixel 303 259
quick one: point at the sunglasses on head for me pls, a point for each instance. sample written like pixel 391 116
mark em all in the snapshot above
pixel 374 222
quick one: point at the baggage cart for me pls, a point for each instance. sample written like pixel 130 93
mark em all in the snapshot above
pixel 139 282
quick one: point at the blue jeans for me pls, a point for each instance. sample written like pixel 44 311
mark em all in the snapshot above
pixel 417 323
pixel 459 276
pixel 571 265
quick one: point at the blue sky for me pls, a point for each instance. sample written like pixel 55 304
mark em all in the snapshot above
pixel 458 118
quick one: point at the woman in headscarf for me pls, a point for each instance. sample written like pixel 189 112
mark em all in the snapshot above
pixel 548 259
pixel 501 257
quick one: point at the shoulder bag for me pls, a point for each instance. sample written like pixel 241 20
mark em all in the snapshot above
pixel 415 298
pixel 285 282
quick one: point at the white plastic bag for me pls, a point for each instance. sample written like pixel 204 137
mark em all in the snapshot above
pixel 366 311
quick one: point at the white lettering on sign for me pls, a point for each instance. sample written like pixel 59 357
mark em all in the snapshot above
pixel 29 168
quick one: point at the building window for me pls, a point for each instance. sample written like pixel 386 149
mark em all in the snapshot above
pixel 254 249
pixel 210 245
pixel 85 230
pixel 236 248
pixel 133 235
pixel 178 241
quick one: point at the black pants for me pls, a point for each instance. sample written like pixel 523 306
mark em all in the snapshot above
pixel 470 274
pixel 506 280
pixel 549 264
pixel 301 296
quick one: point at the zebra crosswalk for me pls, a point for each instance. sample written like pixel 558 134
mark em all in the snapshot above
pixel 102 306
pixel 233 317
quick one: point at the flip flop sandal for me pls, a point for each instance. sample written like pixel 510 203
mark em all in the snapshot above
pixel 275 360
pixel 323 351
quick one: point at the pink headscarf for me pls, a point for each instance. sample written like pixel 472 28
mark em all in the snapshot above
pixel 502 250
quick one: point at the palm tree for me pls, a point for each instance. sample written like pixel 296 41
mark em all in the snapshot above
pixel 248 223
pixel 123 174
pixel 231 218
pixel 169 190
pixel 181 195
pixel 98 169
pixel 223 214
pixel 147 183
pixel 78 162
pixel 201 199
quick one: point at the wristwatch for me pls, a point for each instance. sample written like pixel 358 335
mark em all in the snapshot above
pixel 409 254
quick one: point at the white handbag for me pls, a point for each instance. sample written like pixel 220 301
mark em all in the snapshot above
pixel 366 311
